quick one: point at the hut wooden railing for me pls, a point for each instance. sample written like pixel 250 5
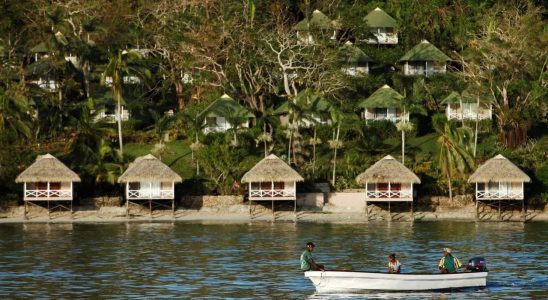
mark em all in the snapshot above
pixel 158 194
pixel 467 113
pixel 495 195
pixel 400 195
pixel 47 194
pixel 272 193
pixel 426 68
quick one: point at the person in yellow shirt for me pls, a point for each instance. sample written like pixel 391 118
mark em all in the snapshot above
pixel 449 263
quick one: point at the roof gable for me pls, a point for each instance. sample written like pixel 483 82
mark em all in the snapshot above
pixel 384 97
pixel 425 51
pixel 379 18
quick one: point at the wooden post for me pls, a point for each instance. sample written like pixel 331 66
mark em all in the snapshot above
pixel 150 208
pixel 25 211
pixel 127 208
pixel 173 208
pixel 71 209
pixel 523 210
pixel 389 213
pixel 500 216
pixel 273 216
pixel 477 213
pixel 412 212
pixel 49 215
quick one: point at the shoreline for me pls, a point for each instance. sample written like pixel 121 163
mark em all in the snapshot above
pixel 110 215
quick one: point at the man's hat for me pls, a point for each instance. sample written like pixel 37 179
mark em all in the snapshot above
pixel 448 250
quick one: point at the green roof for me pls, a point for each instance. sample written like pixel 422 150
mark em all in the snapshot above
pixel 379 18
pixel 318 20
pixel 223 105
pixel 425 52
pixel 40 48
pixel 352 55
pixel 384 97
pixel 464 97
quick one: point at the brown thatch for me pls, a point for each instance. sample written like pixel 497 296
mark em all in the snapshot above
pixel 271 168
pixel 387 170
pixel 499 169
pixel 148 168
pixel 47 168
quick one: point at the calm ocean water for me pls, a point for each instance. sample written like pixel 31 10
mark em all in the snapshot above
pixel 256 261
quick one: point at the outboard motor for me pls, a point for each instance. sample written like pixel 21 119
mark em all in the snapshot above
pixel 477 264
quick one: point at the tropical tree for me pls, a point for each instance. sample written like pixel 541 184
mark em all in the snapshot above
pixel 455 158
pixel 507 60
pixel 120 64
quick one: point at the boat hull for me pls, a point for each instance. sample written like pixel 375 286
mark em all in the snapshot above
pixel 342 281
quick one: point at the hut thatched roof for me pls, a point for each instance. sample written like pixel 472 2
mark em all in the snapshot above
pixel 271 168
pixel 499 169
pixel 388 169
pixel 47 168
pixel 148 168
pixel 384 97
pixel 318 20
pixel 425 52
pixel 379 18
pixel 350 54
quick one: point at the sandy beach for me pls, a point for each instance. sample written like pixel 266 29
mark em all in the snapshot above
pixel 240 214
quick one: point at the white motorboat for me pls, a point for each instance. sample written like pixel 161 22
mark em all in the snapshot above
pixel 344 281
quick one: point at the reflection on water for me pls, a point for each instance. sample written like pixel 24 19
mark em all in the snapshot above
pixel 151 260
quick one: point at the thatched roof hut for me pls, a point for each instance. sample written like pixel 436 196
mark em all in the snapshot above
pixel 350 54
pixel 499 169
pixel 47 168
pixel 387 169
pixel 379 18
pixel 318 20
pixel 148 168
pixel 271 168
pixel 425 52
pixel 384 97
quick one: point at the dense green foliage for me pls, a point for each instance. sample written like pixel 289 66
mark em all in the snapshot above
pixel 151 57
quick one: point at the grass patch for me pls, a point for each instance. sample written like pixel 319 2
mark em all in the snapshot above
pixel 177 155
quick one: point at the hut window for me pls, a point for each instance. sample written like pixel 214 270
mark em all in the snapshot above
pixel 371 186
pixel 211 121
pixel 41 186
pixel 493 186
pixel 381 113
pixel 481 186
pixel 255 185
pixel 395 186
pixel 54 185
pixel 166 185
pixel 134 185
pixel 266 185
pixel 279 185
pixel 382 186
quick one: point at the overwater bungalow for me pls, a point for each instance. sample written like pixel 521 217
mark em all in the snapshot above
pixel 317 22
pixel 462 106
pixel 424 59
pixel 384 104
pixel 382 26
pixel 48 181
pixel 220 115
pixel 499 179
pixel 353 60
pixel 271 179
pixel 388 180
pixel 148 180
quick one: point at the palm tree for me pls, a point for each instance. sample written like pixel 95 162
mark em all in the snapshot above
pixel 266 122
pixel 196 125
pixel 455 145
pixel 119 64
pixel 15 121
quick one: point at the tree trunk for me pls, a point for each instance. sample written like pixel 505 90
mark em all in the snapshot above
pixel 314 152
pixel 450 188
pixel 179 93
pixel 335 154
pixel 476 134
pixel 197 165
pixel 119 120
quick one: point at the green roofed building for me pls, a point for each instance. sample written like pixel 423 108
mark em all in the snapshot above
pixel 382 26
pixel 318 22
pixel 224 114
pixel 466 107
pixel 353 60
pixel 424 59
pixel 384 104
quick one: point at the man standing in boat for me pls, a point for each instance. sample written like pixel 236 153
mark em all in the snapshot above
pixel 307 259
pixel 449 263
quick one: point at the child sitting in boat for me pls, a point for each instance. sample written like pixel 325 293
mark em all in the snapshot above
pixel 394 265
